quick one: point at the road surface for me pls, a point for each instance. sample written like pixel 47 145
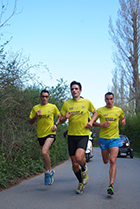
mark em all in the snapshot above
pixel 33 194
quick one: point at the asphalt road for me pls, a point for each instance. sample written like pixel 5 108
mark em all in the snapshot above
pixel 33 194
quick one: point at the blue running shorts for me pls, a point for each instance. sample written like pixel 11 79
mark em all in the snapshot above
pixel 105 144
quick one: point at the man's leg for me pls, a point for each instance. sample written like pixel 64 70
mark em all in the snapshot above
pixel 47 161
pixel 81 160
pixel 113 167
pixel 80 156
pixel 77 172
pixel 78 159
pixel 76 168
pixel 45 153
pixel 105 156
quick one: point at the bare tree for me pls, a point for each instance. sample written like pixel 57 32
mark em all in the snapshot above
pixel 4 7
pixel 126 37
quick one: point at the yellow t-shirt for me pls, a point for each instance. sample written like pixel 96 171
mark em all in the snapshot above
pixel 111 115
pixel 45 121
pixel 79 116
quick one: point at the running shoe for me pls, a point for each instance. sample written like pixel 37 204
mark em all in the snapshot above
pixel 79 190
pixel 47 178
pixel 84 176
pixel 51 176
pixel 110 190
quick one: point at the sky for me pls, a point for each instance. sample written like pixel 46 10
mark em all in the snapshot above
pixel 70 37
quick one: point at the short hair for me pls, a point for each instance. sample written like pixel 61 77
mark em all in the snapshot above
pixel 76 83
pixel 45 91
pixel 109 93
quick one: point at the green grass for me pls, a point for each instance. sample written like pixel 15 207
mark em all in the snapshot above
pixel 137 154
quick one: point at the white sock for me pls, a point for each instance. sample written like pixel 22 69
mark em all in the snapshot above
pixel 47 171
pixel 51 172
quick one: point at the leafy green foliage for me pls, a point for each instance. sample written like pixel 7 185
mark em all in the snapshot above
pixel 59 149
pixel 132 131
pixel 20 153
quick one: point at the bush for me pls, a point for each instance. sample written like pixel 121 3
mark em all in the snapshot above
pixel 20 153
pixel 132 131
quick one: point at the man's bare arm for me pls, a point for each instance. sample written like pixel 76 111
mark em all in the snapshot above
pixel 54 128
pixel 123 122
pixel 105 125
pixel 90 123
pixel 32 120
pixel 64 118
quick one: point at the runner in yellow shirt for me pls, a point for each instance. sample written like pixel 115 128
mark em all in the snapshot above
pixel 76 110
pixel 109 140
pixel 46 130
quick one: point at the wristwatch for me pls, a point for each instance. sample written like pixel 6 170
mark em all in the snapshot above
pixel 56 124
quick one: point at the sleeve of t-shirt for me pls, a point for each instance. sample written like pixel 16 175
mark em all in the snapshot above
pixel 32 113
pixel 122 114
pixel 91 107
pixel 63 110
pixel 98 116
pixel 56 111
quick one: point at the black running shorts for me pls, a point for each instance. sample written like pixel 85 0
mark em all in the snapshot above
pixel 43 139
pixel 75 142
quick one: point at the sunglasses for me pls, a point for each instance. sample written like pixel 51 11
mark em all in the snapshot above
pixel 44 96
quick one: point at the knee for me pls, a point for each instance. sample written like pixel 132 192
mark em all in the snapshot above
pixel 79 158
pixel 105 161
pixel 44 152
pixel 75 166
pixel 112 161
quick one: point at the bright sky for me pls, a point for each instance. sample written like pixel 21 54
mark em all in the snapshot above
pixel 69 36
